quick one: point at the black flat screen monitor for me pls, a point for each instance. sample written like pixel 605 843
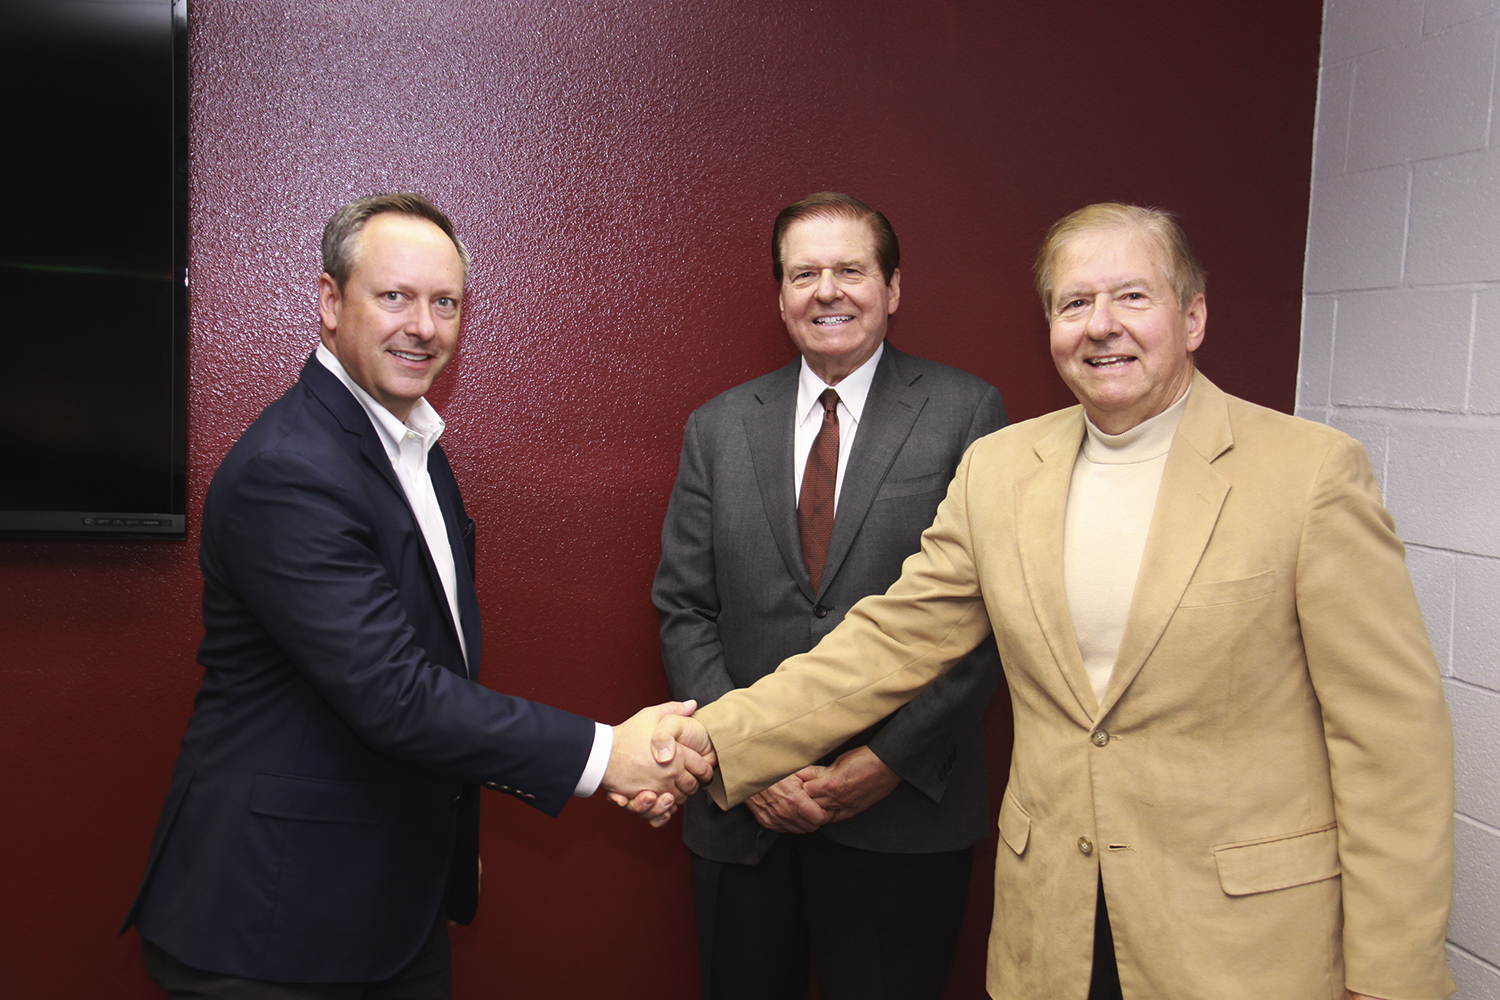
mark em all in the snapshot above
pixel 93 261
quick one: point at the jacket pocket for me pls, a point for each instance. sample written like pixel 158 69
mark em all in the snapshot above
pixel 293 796
pixel 1015 824
pixel 934 482
pixel 1212 592
pixel 1270 863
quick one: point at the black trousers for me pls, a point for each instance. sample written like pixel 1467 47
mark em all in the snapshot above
pixel 428 976
pixel 1105 983
pixel 876 926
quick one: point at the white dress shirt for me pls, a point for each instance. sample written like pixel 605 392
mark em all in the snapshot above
pixel 853 390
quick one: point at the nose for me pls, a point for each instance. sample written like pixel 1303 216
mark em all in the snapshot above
pixel 420 322
pixel 827 289
pixel 1102 321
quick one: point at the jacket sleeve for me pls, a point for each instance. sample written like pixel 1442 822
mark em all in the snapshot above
pixel 918 741
pixel 888 648
pixel 685 592
pixel 294 548
pixel 1389 739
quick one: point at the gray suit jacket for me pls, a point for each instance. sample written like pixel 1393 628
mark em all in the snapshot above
pixel 735 600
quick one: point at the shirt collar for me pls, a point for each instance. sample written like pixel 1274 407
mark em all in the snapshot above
pixel 853 389
pixel 423 421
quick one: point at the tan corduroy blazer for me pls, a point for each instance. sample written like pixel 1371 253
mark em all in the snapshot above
pixel 1267 788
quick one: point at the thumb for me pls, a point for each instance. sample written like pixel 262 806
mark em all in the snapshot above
pixel 680 707
pixel 664 740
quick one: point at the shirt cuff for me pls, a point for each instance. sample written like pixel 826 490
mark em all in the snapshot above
pixel 593 771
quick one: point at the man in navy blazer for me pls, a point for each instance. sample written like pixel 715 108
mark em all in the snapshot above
pixel 323 818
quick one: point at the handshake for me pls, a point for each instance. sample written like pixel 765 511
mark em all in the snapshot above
pixel 660 756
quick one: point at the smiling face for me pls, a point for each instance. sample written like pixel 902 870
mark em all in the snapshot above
pixel 1120 339
pixel 834 300
pixel 394 325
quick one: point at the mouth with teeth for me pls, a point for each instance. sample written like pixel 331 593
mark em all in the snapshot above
pixel 1111 361
pixel 832 320
pixel 411 356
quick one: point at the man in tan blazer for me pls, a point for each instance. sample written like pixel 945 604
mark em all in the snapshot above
pixel 1228 720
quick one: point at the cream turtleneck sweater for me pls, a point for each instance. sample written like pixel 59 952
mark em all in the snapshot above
pixel 1110 501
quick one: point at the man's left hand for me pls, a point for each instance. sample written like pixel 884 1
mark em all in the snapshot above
pixel 854 783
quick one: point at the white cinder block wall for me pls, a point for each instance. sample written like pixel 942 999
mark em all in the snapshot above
pixel 1401 348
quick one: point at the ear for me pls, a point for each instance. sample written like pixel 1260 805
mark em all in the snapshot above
pixel 895 288
pixel 329 302
pixel 781 301
pixel 1197 320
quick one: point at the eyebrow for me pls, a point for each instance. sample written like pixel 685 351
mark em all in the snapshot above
pixel 1066 295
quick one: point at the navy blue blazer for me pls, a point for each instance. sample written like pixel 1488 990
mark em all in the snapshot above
pixel 324 810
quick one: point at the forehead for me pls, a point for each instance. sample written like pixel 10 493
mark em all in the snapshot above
pixel 407 244
pixel 1107 257
pixel 836 238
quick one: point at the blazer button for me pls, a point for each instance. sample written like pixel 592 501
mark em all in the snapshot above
pixel 1085 846
pixel 458 800
pixel 1100 737
pixel 820 612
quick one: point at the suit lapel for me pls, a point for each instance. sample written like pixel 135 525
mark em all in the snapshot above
pixel 1187 508
pixel 890 410
pixel 457 523
pixel 768 429
pixel 1041 508
pixel 351 416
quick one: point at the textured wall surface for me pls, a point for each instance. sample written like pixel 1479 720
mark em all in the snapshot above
pixel 1401 348
pixel 614 166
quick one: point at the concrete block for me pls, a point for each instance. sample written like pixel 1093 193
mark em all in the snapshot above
pixel 1422 100
pixel 1476 621
pixel 1475 924
pixel 1476 753
pixel 1331 140
pixel 1432 572
pixel 1354 27
pixel 1428 331
pixel 1476 980
pixel 1441 483
pixel 1315 366
pixel 1442 14
pixel 1317 414
pixel 1455 214
pixel 1356 231
pixel 1484 367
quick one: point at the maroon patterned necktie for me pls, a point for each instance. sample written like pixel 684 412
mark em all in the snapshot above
pixel 815 503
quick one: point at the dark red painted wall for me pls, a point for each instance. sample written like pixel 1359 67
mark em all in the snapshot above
pixel 614 167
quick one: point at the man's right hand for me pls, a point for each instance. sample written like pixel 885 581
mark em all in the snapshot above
pixel 786 807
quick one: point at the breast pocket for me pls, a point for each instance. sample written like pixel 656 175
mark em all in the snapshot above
pixel 1212 593
pixel 935 482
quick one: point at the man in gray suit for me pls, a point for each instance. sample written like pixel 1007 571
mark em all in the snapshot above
pixel 798 493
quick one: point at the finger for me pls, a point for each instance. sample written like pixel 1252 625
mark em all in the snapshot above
pixel 619 799
pixel 642 803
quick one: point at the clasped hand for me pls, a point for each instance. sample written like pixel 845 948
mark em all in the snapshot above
pixel 816 796
pixel 660 757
